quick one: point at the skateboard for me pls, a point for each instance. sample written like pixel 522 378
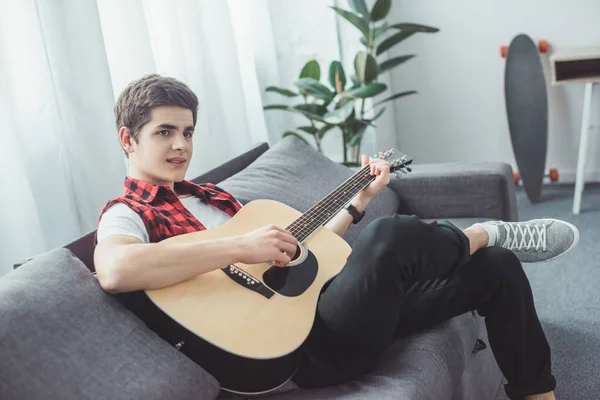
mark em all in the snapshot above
pixel 526 101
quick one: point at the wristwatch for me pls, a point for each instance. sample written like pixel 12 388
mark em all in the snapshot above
pixel 355 213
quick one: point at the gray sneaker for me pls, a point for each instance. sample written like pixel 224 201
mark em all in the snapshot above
pixel 537 240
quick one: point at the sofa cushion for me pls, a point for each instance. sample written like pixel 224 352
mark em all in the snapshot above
pixel 63 337
pixel 426 365
pixel 294 173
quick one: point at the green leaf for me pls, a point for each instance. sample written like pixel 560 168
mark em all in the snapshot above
pixel 415 27
pixel 360 7
pixel 365 66
pixel 311 70
pixel 282 91
pixel 314 88
pixel 355 19
pixel 393 40
pixel 380 30
pixel 311 111
pixel 308 129
pixel 276 107
pixel 312 108
pixel 393 62
pixel 336 67
pixel 395 96
pixel 368 90
pixel 338 116
pixel 377 36
pixel 356 135
pixel 379 114
pixel 365 122
pixel 290 133
pixel 380 10
pixel 355 81
pixel 324 129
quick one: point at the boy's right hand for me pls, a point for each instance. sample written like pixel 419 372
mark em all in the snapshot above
pixel 267 244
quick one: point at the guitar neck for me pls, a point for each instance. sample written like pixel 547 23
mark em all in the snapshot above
pixel 330 205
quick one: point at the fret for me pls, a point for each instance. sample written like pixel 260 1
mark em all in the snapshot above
pixel 330 205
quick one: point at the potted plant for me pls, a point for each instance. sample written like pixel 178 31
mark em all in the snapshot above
pixel 341 104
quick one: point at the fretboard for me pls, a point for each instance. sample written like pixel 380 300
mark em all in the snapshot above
pixel 330 205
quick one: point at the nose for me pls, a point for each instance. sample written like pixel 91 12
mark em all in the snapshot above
pixel 179 142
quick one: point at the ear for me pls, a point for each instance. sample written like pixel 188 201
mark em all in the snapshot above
pixel 126 139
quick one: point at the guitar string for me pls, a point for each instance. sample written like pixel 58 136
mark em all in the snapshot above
pixel 358 177
pixel 316 211
pixel 330 207
pixel 333 199
pixel 349 185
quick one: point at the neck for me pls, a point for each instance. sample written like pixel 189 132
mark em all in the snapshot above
pixel 136 174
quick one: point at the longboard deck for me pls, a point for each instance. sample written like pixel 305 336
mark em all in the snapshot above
pixel 527 111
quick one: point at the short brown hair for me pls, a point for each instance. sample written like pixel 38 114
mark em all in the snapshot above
pixel 136 102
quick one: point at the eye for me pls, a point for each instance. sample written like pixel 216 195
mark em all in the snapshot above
pixel 163 133
pixel 188 134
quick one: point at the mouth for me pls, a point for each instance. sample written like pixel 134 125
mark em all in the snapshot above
pixel 177 162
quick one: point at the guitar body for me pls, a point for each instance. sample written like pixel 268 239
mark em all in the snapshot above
pixel 245 324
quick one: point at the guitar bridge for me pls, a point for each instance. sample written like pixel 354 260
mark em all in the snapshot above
pixel 246 280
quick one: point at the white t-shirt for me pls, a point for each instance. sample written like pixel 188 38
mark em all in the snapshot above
pixel 119 219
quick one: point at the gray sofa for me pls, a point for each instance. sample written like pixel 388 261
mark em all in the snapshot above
pixel 62 337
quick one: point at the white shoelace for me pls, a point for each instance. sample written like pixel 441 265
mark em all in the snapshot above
pixel 512 231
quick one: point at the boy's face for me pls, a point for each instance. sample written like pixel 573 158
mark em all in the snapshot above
pixel 163 149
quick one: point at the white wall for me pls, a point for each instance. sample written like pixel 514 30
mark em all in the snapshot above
pixel 459 113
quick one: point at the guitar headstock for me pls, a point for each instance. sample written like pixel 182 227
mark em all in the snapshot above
pixel 398 161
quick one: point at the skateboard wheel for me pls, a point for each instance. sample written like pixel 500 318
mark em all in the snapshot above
pixel 503 51
pixel 543 46
pixel 553 175
pixel 516 178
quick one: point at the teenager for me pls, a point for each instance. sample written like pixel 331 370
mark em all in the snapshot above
pixel 478 268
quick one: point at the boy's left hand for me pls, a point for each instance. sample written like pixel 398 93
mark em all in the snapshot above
pixel 381 170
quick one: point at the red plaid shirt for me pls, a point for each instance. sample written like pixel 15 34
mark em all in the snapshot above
pixel 162 212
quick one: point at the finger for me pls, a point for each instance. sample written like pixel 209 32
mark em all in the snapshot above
pixel 385 169
pixel 365 159
pixel 288 238
pixel 288 248
pixel 283 259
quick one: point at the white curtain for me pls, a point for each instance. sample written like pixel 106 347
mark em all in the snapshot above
pixel 62 65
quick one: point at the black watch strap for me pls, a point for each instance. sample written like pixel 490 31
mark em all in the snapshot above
pixel 357 215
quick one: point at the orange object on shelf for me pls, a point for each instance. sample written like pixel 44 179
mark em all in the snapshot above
pixel 543 46
pixel 503 51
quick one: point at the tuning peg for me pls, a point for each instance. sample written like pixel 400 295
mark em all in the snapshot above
pixel 409 169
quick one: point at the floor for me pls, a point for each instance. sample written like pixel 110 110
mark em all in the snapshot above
pixel 567 292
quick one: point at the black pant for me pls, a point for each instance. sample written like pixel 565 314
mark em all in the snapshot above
pixel 373 300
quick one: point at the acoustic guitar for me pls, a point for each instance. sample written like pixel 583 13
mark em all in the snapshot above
pixel 245 324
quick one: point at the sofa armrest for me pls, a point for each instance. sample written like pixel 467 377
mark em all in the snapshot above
pixel 456 190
